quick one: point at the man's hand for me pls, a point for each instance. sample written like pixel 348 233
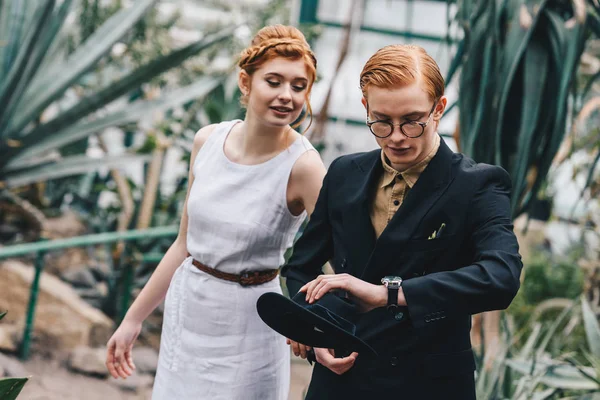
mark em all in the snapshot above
pixel 326 357
pixel 366 295
pixel 298 349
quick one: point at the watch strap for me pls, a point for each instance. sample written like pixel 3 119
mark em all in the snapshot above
pixel 392 297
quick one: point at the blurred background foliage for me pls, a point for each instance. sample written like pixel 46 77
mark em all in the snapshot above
pixel 521 84
pixel 98 98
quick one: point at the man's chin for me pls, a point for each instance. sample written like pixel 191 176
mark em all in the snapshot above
pixel 396 159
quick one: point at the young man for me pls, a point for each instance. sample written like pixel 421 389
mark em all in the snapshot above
pixel 420 238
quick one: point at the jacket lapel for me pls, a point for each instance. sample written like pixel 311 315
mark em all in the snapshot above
pixel 431 185
pixel 357 221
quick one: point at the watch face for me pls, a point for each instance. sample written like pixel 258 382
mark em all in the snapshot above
pixel 391 279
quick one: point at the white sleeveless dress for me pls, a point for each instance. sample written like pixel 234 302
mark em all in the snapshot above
pixel 214 345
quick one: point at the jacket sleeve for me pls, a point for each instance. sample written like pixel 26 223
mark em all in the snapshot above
pixel 491 281
pixel 315 247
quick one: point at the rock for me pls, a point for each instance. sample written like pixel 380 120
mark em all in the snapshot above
pixel 135 383
pixel 8 232
pixel 145 359
pixel 10 336
pixel 80 277
pixel 88 361
pixel 94 297
pixel 101 270
pixel 102 288
pixel 58 263
pixel 65 226
pixel 63 320
pixel 12 367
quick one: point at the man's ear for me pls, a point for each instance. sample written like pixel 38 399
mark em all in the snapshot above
pixel 364 102
pixel 440 108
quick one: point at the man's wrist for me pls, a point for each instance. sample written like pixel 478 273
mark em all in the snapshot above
pixel 382 296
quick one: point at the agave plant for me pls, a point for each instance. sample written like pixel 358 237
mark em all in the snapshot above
pixel 543 367
pixel 35 76
pixel 517 61
pixel 563 373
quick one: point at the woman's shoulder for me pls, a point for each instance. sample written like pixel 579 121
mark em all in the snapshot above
pixel 202 136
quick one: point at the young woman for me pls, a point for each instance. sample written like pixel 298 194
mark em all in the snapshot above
pixel 251 184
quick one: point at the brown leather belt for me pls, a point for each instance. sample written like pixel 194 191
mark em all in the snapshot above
pixel 246 278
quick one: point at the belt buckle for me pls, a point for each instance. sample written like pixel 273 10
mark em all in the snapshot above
pixel 245 277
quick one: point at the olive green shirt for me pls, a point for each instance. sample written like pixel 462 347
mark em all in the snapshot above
pixel 392 188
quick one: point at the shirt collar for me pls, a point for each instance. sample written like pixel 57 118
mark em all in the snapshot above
pixel 411 175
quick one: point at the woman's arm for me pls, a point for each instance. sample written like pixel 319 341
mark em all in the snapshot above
pixel 306 180
pixel 119 360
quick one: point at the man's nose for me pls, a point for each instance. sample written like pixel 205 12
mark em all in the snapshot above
pixel 397 135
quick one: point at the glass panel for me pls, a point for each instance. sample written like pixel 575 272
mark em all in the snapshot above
pixel 429 18
pixel 387 14
pixel 334 11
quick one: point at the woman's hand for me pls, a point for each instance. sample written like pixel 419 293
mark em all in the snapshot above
pixel 299 349
pixel 326 357
pixel 119 359
pixel 365 295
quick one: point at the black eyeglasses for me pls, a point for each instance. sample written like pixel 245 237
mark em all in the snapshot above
pixel 410 129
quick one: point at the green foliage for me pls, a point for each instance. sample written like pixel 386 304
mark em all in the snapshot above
pixel 518 60
pixel 11 387
pixel 546 279
pixel 540 361
pixel 38 117
pixel 223 103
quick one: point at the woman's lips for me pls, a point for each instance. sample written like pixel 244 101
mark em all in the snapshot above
pixel 281 111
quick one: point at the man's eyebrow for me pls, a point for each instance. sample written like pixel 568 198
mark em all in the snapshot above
pixel 412 114
pixel 298 78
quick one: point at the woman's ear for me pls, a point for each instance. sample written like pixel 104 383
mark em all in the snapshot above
pixel 244 82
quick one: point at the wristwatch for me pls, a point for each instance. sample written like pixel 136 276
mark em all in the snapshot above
pixel 392 283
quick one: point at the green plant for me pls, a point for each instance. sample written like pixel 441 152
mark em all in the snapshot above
pixel 546 278
pixel 10 387
pixel 518 60
pixel 36 119
pixel 538 361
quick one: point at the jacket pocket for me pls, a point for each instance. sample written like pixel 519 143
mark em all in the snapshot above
pixel 430 244
pixel 449 364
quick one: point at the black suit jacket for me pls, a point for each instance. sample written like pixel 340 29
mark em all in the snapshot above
pixel 473 266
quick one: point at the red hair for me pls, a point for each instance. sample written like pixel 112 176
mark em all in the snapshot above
pixel 279 41
pixel 400 65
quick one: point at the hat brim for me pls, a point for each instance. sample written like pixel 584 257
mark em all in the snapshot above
pixel 301 325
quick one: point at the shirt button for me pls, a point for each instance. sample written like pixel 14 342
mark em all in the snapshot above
pixel 394 361
pixel 399 316
pixel 396 202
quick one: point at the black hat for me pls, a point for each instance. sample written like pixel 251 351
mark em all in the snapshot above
pixel 327 323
